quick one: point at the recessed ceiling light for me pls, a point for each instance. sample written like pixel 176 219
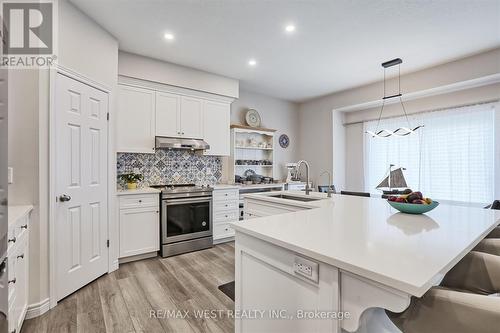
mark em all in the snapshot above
pixel 252 62
pixel 290 28
pixel 168 36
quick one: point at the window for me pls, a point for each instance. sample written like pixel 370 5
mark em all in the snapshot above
pixel 451 158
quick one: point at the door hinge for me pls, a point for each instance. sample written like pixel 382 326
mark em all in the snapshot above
pixel 107 243
pixel 107 116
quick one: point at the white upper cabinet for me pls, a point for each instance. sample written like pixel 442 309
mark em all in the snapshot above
pixel 145 111
pixel 216 122
pixel 179 116
pixel 168 120
pixel 191 117
pixel 135 119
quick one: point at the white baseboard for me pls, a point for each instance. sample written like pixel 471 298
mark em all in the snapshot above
pixel 114 266
pixel 223 240
pixel 38 309
pixel 138 257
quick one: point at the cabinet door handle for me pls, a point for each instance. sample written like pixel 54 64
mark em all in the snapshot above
pixel 24 226
pixel 21 256
pixel 226 216
pixel 157 211
pixel 225 194
pixel 13 280
pixel 12 240
pixel 140 201
pixel 182 133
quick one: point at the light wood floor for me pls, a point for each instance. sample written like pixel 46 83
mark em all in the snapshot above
pixel 122 301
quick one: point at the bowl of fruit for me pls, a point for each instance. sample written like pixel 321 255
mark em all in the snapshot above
pixel 413 203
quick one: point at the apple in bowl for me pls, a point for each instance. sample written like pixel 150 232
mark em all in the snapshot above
pixel 413 203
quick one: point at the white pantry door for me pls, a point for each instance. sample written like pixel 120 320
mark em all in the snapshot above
pixel 81 227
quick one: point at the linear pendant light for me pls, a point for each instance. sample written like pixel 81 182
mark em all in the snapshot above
pixel 402 131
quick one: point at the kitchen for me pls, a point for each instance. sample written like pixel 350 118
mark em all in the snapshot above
pixel 159 180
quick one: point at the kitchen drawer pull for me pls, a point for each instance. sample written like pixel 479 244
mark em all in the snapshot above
pixel 21 256
pixel 226 194
pixel 13 280
pixel 13 240
pixel 140 201
pixel 24 226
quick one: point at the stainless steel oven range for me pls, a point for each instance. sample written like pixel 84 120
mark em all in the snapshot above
pixel 186 218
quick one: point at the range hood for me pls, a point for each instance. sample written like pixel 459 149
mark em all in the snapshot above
pixel 162 142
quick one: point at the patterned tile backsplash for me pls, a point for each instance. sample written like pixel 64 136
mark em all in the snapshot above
pixel 171 167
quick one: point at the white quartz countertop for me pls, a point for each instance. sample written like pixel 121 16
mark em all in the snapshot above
pixel 243 186
pixel 16 212
pixel 367 237
pixel 225 186
pixel 144 190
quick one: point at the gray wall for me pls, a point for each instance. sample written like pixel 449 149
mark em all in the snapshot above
pixel 317 124
pixel 137 66
pixel 85 48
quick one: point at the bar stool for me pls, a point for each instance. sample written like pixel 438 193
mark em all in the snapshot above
pixel 495 233
pixel 462 304
pixel 489 245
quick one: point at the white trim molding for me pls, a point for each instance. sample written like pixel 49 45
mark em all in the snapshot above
pixel 38 309
pixel 440 90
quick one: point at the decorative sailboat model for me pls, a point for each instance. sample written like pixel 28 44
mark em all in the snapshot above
pixel 394 182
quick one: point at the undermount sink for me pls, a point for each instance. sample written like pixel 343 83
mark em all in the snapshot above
pixel 293 197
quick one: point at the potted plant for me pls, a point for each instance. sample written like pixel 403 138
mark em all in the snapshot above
pixel 131 179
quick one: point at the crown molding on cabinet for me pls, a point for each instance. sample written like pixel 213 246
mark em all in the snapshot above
pixel 140 83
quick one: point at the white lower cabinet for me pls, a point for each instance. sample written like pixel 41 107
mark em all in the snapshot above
pixel 18 270
pixel 225 210
pixel 139 224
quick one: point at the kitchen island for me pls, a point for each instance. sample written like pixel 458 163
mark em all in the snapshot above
pixel 332 264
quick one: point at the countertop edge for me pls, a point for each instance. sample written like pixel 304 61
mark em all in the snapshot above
pixel 146 190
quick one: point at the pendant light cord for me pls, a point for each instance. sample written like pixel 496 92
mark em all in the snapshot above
pixel 400 100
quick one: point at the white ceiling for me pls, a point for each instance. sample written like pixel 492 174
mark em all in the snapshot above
pixel 338 44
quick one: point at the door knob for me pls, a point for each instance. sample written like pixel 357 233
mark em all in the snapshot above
pixel 64 198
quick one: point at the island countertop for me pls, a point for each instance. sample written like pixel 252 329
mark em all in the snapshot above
pixel 366 237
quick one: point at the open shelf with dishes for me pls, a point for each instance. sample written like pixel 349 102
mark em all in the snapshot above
pixel 252 152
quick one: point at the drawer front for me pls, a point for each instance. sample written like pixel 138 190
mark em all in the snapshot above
pixel 222 195
pixel 11 275
pixel 223 230
pixel 138 201
pixel 226 205
pixel 226 216
pixel 11 238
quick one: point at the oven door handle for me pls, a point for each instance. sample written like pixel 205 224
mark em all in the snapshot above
pixel 190 200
